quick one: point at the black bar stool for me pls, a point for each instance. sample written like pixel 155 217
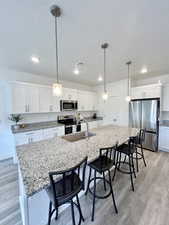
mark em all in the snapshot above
pixel 102 164
pixel 128 150
pixel 65 185
pixel 140 154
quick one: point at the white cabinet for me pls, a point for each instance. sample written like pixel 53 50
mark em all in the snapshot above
pixel 164 138
pixel 53 132
pixel 28 137
pixel 38 135
pixel 86 101
pixel 165 98
pixel 93 124
pixel 48 102
pixel 69 94
pixel 24 98
pixel 147 91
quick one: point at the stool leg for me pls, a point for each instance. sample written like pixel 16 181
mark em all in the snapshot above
pixel 87 189
pixel 142 153
pixel 94 196
pixel 124 159
pixel 49 214
pixel 133 165
pixel 56 214
pixel 131 175
pixel 104 181
pixel 73 214
pixel 80 211
pixel 115 169
pixel 111 189
pixel 137 160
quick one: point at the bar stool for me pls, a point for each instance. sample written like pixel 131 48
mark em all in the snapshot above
pixel 128 150
pixel 100 165
pixel 64 186
pixel 139 145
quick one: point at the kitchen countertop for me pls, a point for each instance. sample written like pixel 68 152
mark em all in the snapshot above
pixel 37 159
pixel 164 123
pixel 36 126
pixel 45 125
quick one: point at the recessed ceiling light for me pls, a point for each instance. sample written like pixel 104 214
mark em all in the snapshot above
pixel 76 71
pixel 100 78
pixel 35 59
pixel 144 70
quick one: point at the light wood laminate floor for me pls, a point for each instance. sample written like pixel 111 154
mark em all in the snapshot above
pixel 9 194
pixel 148 205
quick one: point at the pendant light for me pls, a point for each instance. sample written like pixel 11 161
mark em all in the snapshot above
pixel 105 94
pixel 57 87
pixel 128 98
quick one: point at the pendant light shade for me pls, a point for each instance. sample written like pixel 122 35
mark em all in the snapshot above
pixel 128 98
pixel 105 93
pixel 57 87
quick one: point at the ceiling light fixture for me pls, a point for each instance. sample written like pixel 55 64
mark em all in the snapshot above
pixel 144 70
pixel 35 59
pixel 128 98
pixel 76 70
pixel 105 94
pixel 57 87
pixel 100 78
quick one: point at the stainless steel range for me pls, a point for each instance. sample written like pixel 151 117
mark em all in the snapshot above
pixel 71 125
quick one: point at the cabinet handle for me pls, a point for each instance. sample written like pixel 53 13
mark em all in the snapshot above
pixel 28 108
pixel 25 108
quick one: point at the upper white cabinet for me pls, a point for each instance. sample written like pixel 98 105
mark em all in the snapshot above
pixel 48 102
pixel 33 98
pixel 69 94
pixel 148 91
pixel 25 98
pixel 87 101
pixel 165 98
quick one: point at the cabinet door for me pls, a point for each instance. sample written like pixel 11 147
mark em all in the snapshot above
pixel 18 98
pixel 69 94
pixel 82 101
pixel 164 138
pixel 165 98
pixel 21 139
pixel 45 99
pixel 32 98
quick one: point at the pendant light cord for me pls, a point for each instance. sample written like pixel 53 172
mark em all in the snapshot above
pixel 104 70
pixel 57 60
pixel 128 78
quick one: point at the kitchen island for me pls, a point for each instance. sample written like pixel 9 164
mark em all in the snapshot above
pixel 37 159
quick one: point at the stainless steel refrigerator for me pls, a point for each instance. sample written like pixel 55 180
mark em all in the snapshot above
pixel 144 114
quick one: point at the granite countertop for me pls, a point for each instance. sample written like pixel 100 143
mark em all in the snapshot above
pixel 37 126
pixel 37 159
pixel 164 123
pixel 44 125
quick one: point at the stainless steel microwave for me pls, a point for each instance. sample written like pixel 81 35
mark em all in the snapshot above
pixel 68 105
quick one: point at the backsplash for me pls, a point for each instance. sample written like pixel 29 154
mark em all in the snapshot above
pixel 43 117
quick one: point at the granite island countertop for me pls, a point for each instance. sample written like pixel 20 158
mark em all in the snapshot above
pixel 37 159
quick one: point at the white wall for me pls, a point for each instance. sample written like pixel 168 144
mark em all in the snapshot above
pixel 115 109
pixel 6 137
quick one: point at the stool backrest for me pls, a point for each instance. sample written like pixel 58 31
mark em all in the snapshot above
pixel 56 176
pixel 141 136
pixel 107 152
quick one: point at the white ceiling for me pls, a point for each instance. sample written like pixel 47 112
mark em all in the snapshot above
pixel 136 30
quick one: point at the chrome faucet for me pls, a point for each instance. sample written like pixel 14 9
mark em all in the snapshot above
pixel 82 119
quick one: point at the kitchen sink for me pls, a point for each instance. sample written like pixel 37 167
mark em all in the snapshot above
pixel 78 136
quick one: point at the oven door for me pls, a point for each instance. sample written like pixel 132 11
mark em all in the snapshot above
pixel 68 129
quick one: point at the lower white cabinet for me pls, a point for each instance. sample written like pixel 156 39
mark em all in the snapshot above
pixel 164 138
pixel 28 137
pixel 38 135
